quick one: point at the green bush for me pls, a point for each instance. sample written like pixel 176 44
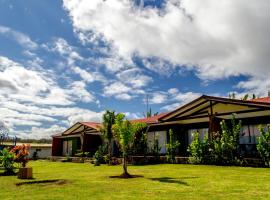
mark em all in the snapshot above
pixel 199 150
pixel 100 155
pixel 7 161
pixel 155 149
pixel 171 147
pixel 263 145
pixel 225 147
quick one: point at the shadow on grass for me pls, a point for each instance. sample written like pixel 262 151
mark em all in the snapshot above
pixel 8 174
pixel 54 181
pixel 172 180
pixel 126 176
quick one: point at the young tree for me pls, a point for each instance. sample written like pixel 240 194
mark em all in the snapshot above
pixel 106 130
pixel 124 131
pixel 172 147
pixel 263 145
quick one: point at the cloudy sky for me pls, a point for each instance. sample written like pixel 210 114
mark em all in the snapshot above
pixel 67 61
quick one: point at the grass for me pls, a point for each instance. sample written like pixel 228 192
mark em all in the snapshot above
pixel 55 180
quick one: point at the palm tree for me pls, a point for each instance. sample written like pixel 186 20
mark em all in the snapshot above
pixel 107 124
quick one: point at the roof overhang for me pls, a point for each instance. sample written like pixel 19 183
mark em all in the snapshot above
pixel 78 129
pixel 199 110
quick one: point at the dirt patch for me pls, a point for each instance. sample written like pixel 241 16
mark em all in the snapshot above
pixel 46 182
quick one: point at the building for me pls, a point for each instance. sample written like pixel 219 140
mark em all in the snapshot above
pixel 203 115
pixel 81 137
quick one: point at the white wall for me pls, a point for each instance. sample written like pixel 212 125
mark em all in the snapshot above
pixel 44 152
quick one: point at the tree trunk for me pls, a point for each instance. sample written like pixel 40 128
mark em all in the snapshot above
pixel 110 151
pixel 125 165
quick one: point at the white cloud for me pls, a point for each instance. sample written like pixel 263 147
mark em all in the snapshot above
pixel 89 77
pixel 221 38
pixel 173 98
pixel 67 51
pixel 78 89
pixel 115 89
pixel 39 132
pixel 134 78
pixel 19 37
pixel 31 96
pixel 158 98
pixel 85 117
pixel 123 96
pixel 259 86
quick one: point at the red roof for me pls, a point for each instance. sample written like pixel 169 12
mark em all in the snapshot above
pixel 263 99
pixel 93 125
pixel 149 120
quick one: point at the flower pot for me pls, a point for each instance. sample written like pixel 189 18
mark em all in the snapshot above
pixel 25 173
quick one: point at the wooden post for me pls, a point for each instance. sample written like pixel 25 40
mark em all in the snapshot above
pixel 210 130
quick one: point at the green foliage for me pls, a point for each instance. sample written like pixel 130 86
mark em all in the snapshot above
pixel 125 131
pixel 225 148
pixel 199 150
pixel 139 146
pixel 7 161
pixel 68 158
pixel 263 145
pixel 171 147
pixel 155 148
pixel 100 155
pixel 107 124
pixel 150 114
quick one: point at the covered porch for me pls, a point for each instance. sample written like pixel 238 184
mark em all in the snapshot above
pixel 81 137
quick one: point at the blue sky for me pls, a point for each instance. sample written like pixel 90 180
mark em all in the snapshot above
pixel 68 61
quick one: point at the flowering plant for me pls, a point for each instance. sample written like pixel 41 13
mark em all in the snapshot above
pixel 21 154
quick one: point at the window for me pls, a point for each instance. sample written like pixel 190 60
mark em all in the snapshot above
pixel 249 134
pixel 202 132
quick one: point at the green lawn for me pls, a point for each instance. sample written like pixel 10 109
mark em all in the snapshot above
pixel 84 181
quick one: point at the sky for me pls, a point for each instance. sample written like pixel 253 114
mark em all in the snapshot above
pixel 67 61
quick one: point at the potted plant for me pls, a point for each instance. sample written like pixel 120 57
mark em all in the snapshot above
pixel 21 156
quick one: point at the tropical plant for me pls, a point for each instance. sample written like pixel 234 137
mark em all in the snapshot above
pixel 263 145
pixel 150 114
pixel 171 147
pixel 100 155
pixel 7 161
pixel 21 154
pixel 125 131
pixel 106 130
pixel 199 150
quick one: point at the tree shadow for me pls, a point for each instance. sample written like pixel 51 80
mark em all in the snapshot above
pixel 172 180
pixel 123 176
pixel 53 181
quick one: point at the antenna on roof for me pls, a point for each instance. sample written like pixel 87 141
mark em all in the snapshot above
pixel 147 105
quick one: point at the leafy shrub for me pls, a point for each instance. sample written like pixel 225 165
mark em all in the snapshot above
pixel 199 150
pixel 224 147
pixel 155 148
pixel 100 155
pixel 139 146
pixel 171 147
pixel 7 161
pixel 263 145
